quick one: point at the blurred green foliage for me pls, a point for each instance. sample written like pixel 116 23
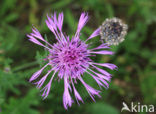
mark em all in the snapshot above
pixel 135 80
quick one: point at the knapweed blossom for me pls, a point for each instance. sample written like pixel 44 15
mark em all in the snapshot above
pixel 70 59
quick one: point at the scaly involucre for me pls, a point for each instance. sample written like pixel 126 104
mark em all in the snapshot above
pixel 70 58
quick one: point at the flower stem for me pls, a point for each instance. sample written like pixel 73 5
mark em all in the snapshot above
pixel 22 67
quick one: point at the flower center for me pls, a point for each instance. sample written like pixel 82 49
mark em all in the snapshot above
pixel 115 28
pixel 71 59
pixel 112 30
pixel 70 56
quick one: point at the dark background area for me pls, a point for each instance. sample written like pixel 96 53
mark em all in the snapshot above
pixel 135 80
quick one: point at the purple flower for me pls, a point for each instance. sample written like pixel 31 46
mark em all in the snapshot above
pixel 70 58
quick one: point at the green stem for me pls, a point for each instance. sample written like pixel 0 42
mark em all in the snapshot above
pixel 18 68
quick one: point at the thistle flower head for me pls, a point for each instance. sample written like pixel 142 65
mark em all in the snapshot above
pixel 70 59
pixel 113 31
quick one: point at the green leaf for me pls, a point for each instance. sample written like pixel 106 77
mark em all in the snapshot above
pixel 61 4
pixel 11 17
pixel 22 105
pixel 148 85
pixel 1 100
pixel 8 81
pixel 101 108
pixel 110 10
pixel 70 20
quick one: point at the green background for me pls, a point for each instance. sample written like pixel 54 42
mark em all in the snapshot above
pixel 135 80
